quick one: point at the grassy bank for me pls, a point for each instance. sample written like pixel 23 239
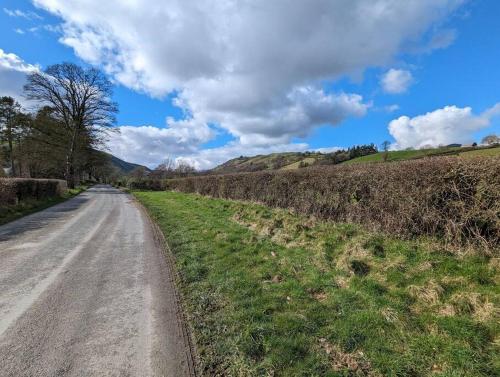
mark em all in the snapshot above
pixel 13 212
pixel 271 293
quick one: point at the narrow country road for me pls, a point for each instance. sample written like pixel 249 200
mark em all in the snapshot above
pixel 85 290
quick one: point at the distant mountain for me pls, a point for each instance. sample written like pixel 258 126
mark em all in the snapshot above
pixel 124 166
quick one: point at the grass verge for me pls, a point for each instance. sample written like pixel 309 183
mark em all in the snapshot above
pixel 270 293
pixel 11 213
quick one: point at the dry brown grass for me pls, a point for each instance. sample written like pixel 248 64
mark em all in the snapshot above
pixel 428 294
pixel 475 304
pixel 355 363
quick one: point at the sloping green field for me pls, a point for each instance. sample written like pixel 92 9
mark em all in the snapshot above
pixel 412 154
pixel 306 162
pixel 293 160
pixel 481 152
pixel 400 155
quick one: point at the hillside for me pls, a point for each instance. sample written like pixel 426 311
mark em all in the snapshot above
pixel 286 160
pixel 123 166
pixel 295 160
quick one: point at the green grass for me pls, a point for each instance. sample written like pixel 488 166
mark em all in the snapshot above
pixel 269 293
pixel 482 152
pixel 308 161
pixel 14 212
pixel 290 160
pixel 412 154
pixel 401 155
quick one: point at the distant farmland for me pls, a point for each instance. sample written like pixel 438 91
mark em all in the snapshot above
pixel 296 160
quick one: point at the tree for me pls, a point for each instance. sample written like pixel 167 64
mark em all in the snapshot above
pixel 164 170
pixel 491 140
pixel 184 168
pixel 138 173
pixel 81 102
pixel 10 112
pixel 385 147
pixel 45 145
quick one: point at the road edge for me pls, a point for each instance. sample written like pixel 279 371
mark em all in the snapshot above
pixel 187 332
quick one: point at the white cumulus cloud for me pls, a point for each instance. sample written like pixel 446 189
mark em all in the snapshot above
pixel 450 124
pixel 13 71
pixel 149 145
pixel 396 81
pixel 254 68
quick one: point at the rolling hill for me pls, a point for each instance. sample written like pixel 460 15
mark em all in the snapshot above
pixel 296 160
pixel 123 166
pixel 286 160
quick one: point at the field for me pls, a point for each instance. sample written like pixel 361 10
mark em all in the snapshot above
pixel 481 152
pixel 293 160
pixel 401 155
pixel 272 293
pixel 412 154
pixel 305 162
pixel 287 160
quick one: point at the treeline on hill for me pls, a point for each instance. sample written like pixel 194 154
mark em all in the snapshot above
pixel 457 200
pixel 343 155
pixel 59 139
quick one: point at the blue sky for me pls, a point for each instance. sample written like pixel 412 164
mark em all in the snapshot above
pixel 328 86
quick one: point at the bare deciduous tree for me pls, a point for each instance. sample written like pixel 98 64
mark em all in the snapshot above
pixel 81 101
pixel 385 147
pixel 184 168
pixel 164 170
pixel 138 173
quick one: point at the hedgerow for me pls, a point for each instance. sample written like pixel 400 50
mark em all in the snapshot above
pixel 455 199
pixel 16 190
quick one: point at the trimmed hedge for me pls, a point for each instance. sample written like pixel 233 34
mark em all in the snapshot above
pixel 16 190
pixel 455 199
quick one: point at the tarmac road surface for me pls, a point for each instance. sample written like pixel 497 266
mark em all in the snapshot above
pixel 86 290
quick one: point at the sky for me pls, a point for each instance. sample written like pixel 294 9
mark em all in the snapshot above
pixel 206 81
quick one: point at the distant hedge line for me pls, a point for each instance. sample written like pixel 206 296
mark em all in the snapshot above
pixel 16 190
pixel 455 199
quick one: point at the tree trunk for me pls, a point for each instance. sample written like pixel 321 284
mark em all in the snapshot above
pixel 11 149
pixel 70 169
pixel 11 154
